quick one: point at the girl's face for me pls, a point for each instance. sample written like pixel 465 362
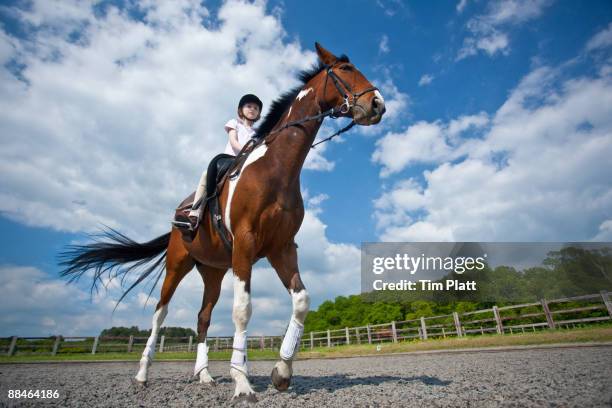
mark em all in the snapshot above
pixel 250 111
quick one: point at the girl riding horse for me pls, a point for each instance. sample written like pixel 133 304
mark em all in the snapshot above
pixel 262 210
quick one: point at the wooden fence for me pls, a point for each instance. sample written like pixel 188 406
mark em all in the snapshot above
pixel 545 314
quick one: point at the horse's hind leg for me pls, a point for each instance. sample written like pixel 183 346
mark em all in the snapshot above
pixel 212 278
pixel 178 264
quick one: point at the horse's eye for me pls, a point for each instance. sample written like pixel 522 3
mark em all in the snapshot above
pixel 346 67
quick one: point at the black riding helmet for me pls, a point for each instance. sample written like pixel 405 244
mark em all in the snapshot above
pixel 250 98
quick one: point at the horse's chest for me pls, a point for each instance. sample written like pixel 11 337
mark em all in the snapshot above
pixel 284 218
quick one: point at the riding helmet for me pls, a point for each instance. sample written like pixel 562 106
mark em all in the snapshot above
pixel 250 98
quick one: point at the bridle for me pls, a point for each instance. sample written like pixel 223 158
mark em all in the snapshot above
pixel 345 91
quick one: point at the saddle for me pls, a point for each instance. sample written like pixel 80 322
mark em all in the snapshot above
pixel 220 168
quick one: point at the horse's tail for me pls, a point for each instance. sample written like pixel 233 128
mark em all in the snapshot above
pixel 108 257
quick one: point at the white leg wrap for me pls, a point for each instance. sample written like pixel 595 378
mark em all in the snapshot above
pixel 292 339
pixel 239 354
pixel 201 359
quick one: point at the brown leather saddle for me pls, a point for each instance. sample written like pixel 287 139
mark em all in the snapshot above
pixel 220 168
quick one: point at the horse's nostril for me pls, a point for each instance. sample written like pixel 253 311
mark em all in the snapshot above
pixel 378 106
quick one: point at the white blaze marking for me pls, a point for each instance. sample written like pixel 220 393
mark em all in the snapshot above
pixel 379 96
pixel 241 314
pixel 303 93
pixel 256 154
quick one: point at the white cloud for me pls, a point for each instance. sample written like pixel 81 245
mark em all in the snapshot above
pixel 537 170
pixel 36 304
pixel 602 39
pixel 423 142
pixel 426 79
pixel 420 142
pixel 461 6
pixel 463 123
pixel 118 125
pixel 390 7
pixel 383 45
pixel 488 32
pixel 605 232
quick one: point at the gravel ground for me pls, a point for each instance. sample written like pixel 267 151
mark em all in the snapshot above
pixel 567 377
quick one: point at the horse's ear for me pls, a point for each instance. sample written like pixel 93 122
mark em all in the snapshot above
pixel 325 56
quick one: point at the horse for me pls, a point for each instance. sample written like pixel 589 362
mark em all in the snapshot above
pixel 262 209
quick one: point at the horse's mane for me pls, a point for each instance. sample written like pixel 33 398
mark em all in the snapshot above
pixel 282 103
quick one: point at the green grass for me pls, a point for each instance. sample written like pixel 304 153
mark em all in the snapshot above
pixel 601 333
pixel 583 335
pixel 135 356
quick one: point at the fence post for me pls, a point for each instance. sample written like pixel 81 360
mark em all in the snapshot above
pixel 217 344
pixel 56 345
pixel 443 333
pixel 262 343
pixel 357 335
pixel 606 300
pixel 190 344
pixel 13 346
pixel 549 318
pixel 369 334
pixel 95 345
pixel 328 338
pixel 161 343
pixel 272 343
pixel 130 343
pixel 311 340
pixel 498 320
pixel 394 331
pixel 348 338
pixel 457 324
pixel 423 328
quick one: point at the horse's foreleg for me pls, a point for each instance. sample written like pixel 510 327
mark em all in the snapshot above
pixel 286 265
pixel 242 262
pixel 178 264
pixel 212 287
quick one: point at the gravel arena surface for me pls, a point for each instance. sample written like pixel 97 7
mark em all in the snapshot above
pixel 566 377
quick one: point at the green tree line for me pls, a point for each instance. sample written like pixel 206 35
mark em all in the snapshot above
pixel 568 272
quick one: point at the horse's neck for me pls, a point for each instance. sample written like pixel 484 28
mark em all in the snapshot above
pixel 293 143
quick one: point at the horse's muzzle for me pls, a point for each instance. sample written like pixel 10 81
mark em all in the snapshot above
pixel 369 112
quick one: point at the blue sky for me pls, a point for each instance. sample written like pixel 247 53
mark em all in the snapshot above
pixel 499 128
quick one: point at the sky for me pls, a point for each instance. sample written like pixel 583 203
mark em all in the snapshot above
pixel 498 129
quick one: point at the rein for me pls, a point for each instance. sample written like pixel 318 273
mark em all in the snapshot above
pixel 345 90
pixel 235 168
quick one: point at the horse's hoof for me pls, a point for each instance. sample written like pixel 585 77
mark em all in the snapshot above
pixel 212 383
pixel 280 383
pixel 139 384
pixel 250 398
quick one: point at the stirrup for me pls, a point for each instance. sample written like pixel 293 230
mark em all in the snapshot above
pixel 186 223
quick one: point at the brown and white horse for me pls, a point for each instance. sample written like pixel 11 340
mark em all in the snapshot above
pixel 262 210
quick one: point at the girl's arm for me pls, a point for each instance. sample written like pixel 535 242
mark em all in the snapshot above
pixel 233 137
